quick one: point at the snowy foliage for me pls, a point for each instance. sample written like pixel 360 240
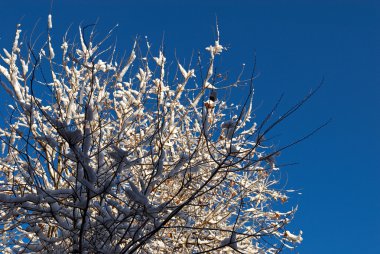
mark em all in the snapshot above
pixel 117 158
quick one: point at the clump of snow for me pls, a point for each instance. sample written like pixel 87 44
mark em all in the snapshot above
pixel 293 238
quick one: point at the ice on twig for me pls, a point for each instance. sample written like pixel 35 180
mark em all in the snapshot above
pixel 186 74
pixel 209 86
pixel 50 23
pixel 160 60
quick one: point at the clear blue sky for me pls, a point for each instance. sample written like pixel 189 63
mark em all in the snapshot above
pixel 297 43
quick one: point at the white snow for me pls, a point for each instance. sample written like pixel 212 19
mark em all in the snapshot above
pixel 50 23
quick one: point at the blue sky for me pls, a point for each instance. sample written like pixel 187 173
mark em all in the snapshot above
pixel 297 43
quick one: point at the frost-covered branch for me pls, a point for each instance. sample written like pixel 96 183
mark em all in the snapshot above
pixel 120 157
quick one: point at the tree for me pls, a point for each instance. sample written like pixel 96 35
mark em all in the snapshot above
pixel 114 156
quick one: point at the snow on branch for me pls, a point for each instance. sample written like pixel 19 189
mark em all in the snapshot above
pixel 101 154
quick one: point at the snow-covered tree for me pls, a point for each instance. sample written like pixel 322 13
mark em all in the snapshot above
pixel 107 155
